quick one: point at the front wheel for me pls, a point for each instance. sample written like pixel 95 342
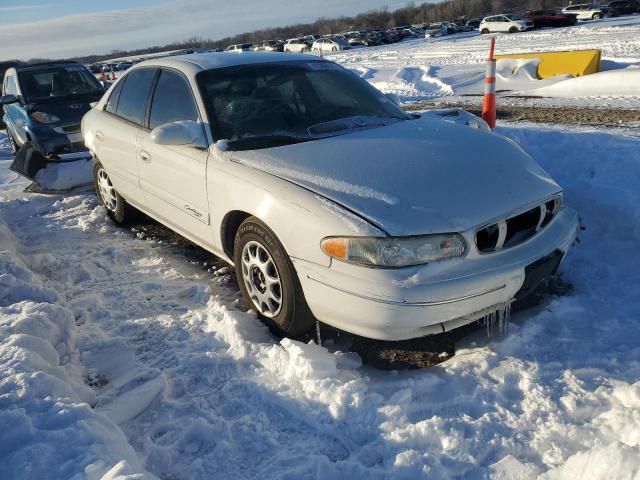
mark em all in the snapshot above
pixel 484 31
pixel 268 280
pixel 513 30
pixel 596 16
pixel 117 207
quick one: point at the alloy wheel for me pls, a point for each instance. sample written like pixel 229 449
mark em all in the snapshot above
pixel 261 279
pixel 107 192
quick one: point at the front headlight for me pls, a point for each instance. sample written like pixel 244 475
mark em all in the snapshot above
pixel 393 252
pixel 42 117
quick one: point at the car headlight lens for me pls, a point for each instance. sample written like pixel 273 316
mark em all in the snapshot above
pixel 42 117
pixel 393 252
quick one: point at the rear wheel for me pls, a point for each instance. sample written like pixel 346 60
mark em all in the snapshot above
pixel 596 16
pixel 268 280
pixel 117 207
pixel 484 31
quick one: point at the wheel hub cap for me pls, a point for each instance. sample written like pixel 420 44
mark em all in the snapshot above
pixel 106 190
pixel 261 279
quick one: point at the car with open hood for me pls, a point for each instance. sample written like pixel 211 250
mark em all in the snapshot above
pixel 43 106
pixel 330 201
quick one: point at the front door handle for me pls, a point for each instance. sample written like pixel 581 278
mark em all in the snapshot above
pixel 145 157
pixel 99 135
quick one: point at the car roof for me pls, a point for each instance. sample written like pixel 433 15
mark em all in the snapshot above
pixel 213 60
pixel 39 66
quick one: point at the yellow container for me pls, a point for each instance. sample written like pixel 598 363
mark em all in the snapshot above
pixel 576 63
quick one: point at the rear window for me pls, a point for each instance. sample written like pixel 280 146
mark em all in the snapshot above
pixel 132 104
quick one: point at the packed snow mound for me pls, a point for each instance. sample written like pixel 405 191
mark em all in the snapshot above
pixel 64 176
pixel 49 430
pixel 613 83
pixel 521 73
pixel 408 82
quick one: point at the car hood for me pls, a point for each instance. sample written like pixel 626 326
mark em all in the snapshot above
pixel 413 177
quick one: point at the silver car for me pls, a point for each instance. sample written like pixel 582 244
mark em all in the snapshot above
pixel 330 201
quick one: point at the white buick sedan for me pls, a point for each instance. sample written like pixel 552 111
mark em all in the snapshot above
pixel 331 202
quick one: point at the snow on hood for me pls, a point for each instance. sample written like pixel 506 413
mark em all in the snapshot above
pixel 415 177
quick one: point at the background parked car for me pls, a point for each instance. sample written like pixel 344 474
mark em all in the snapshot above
pixel 586 11
pixel 436 30
pixel 43 106
pixel 332 44
pixel 297 45
pixel 269 46
pixel 509 23
pixel 240 47
pixel 474 23
pixel 623 7
pixel 550 18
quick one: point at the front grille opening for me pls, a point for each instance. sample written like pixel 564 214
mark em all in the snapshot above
pixel 521 227
pixel 487 238
pixel 517 229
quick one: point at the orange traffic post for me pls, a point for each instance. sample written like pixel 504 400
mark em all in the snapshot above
pixel 113 75
pixel 489 98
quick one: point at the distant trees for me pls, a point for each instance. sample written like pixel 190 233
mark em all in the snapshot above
pixel 383 18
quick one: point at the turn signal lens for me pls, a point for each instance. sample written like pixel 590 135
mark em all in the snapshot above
pixel 392 252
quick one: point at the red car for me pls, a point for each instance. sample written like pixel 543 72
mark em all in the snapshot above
pixel 550 18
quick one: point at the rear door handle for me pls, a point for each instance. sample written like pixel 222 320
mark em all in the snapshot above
pixel 99 135
pixel 145 157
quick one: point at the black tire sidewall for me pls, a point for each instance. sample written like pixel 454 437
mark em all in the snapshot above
pixel 294 317
pixel 120 214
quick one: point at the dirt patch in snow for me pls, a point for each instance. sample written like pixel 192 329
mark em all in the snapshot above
pixel 600 117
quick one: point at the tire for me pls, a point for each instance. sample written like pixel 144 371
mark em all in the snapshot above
pixel 596 16
pixel 484 31
pixel 513 30
pixel 334 49
pixel 117 207
pixel 268 280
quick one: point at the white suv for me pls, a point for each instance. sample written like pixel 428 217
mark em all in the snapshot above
pixel 505 24
pixel 585 11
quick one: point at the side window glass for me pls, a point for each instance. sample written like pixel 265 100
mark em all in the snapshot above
pixel 132 104
pixel 172 100
pixel 112 103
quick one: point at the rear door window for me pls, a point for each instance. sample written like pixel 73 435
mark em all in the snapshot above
pixel 172 100
pixel 132 104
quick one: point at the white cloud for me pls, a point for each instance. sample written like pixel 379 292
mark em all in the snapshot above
pixel 101 32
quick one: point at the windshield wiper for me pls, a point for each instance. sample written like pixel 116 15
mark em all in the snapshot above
pixel 265 141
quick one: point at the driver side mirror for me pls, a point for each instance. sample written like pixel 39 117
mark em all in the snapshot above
pixel 186 132
pixel 7 99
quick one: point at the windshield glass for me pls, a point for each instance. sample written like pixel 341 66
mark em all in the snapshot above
pixel 57 82
pixel 288 98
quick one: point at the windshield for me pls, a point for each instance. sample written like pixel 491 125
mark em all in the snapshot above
pixel 57 82
pixel 288 98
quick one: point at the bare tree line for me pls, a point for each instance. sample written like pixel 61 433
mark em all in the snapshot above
pixel 381 18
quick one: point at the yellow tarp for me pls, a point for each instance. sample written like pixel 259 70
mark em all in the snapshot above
pixel 576 63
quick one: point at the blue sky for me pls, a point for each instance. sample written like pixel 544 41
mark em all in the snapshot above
pixel 49 28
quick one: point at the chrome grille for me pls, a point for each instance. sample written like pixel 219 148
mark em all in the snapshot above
pixel 517 229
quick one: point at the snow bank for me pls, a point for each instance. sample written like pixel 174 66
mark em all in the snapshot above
pixel 63 176
pixel 48 428
pixel 612 83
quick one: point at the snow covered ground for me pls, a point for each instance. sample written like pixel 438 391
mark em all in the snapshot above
pixel 120 354
pixel 453 66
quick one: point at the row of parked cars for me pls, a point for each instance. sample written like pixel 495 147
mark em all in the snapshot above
pixel 241 154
